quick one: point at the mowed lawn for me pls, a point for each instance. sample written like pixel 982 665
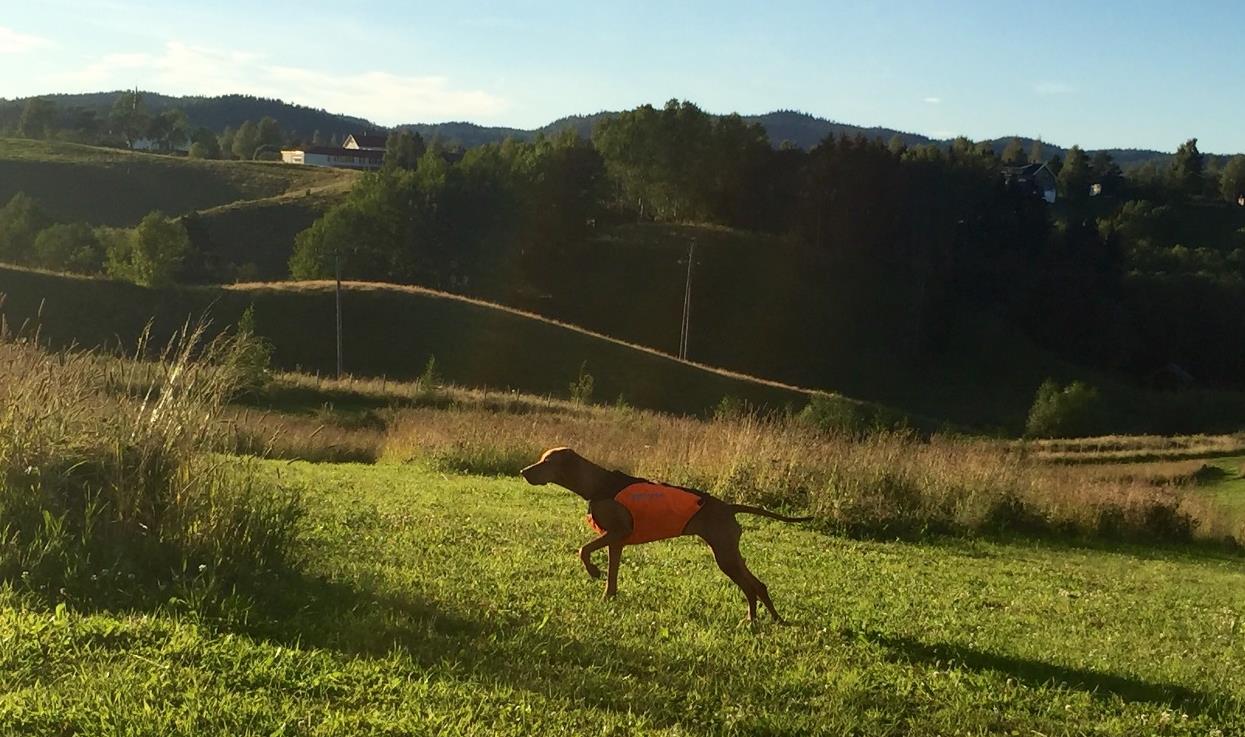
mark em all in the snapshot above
pixel 454 605
pixel 1224 481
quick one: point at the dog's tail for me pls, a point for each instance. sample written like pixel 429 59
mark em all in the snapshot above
pixel 748 509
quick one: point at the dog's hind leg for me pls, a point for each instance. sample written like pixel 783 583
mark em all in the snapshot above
pixel 724 542
pixel 763 593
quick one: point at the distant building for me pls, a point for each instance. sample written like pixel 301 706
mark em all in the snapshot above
pixel 1036 178
pixel 366 141
pixel 338 157
pixel 364 151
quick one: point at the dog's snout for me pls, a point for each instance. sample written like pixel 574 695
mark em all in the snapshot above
pixel 530 474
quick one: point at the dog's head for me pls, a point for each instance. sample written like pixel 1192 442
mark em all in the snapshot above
pixel 554 465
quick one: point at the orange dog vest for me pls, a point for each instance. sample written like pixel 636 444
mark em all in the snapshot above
pixel 657 512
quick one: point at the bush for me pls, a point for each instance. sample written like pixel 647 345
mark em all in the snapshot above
pixel 254 356
pixel 108 488
pixel 731 408
pixel 837 414
pixel 1071 411
pixel 20 222
pixel 430 379
pixel 151 254
pixel 69 247
pixel 581 388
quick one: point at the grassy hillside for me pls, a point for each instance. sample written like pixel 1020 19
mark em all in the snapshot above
pixel 446 604
pixel 388 330
pixel 759 306
pixel 110 187
pixel 252 240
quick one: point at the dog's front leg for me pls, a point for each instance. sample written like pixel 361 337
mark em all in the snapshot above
pixel 611 580
pixel 585 554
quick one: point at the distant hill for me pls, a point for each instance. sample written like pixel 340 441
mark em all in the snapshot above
pixel 806 131
pixel 105 186
pixel 242 215
pixel 800 129
pixel 216 113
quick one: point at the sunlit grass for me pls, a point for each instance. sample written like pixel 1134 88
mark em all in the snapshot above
pixel 445 604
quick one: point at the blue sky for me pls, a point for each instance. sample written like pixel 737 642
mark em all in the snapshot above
pixel 1127 74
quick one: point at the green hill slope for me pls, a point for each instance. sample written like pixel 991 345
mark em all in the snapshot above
pixel 105 186
pixel 389 330
pixel 762 306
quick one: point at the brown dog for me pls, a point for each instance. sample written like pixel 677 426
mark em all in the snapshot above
pixel 628 511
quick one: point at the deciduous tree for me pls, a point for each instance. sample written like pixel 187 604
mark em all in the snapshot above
pixel 20 222
pixel 151 254
pixel 245 141
pixel 1232 181
pixel 1075 176
pixel 1014 154
pixel 128 117
pixel 403 150
pixel 38 118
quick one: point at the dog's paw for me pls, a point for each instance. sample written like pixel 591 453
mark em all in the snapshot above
pixel 593 571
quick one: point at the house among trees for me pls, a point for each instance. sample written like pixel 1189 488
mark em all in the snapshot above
pixel 1035 178
pixel 359 151
pixel 365 141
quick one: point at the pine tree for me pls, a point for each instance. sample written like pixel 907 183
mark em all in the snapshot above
pixel 1188 169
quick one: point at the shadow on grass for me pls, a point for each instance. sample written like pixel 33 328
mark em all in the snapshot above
pixel 1035 673
pixel 509 651
pixel 591 668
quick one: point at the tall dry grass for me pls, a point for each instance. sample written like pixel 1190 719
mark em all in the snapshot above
pixel 887 484
pixel 110 485
pixel 880 484
pixel 1136 448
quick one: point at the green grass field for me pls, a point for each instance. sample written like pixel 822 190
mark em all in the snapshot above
pixel 1223 479
pixel 441 604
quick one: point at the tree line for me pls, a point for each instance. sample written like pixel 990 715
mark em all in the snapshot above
pixel 151 254
pixel 940 226
pixel 1130 269
pixel 129 122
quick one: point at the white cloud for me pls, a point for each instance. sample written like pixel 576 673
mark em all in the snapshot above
pixel 387 98
pixel 1053 88
pixel 12 42
pixel 932 100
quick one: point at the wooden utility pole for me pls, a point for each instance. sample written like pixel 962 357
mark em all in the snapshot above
pixel 685 329
pixel 337 257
